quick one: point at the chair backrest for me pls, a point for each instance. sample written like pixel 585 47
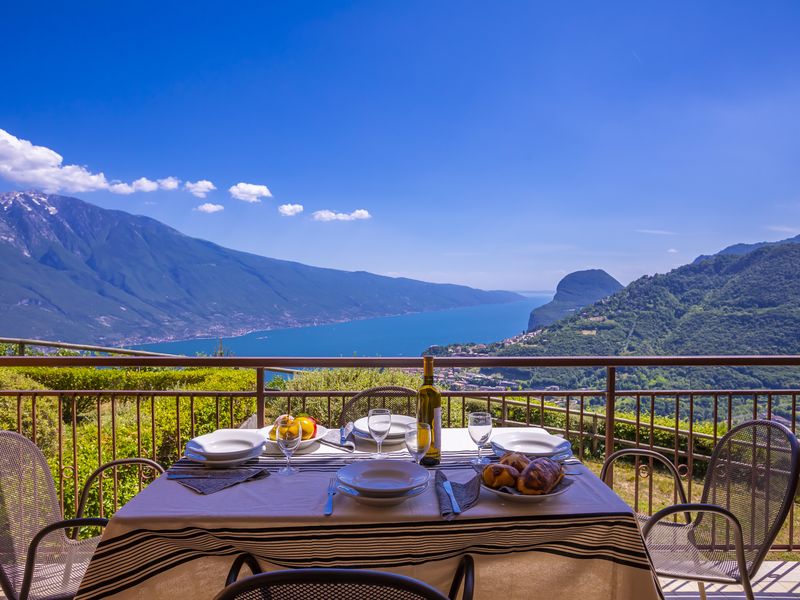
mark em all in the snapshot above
pixel 400 400
pixel 329 584
pixel 753 472
pixel 28 502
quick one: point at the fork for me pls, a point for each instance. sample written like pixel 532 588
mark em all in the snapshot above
pixel 331 493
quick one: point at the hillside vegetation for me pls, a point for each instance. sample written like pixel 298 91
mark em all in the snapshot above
pixel 725 304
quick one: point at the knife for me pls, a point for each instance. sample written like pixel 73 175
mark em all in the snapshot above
pixel 453 502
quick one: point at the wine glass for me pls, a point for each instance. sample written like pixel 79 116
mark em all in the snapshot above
pixel 288 434
pixel 480 428
pixel 379 422
pixel 418 440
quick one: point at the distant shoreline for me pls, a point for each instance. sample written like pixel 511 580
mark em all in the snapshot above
pixel 238 333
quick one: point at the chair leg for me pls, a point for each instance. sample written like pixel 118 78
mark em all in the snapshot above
pixel 702 589
pixel 748 589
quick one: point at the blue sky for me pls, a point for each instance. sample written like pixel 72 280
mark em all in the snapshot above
pixel 500 145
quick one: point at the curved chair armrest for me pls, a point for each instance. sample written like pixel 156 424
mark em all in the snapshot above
pixel 238 562
pixel 699 507
pixel 649 454
pixel 109 465
pixel 30 560
pixel 465 573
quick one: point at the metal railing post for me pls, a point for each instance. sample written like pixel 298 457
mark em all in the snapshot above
pixel 20 349
pixel 260 397
pixel 611 398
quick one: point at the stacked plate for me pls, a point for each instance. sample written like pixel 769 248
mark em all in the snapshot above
pixel 396 433
pixel 225 447
pixel 536 442
pixel 382 482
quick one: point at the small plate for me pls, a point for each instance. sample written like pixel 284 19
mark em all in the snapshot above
pixel 382 477
pixel 226 444
pixel 398 429
pixel 530 498
pixel 380 500
pixel 531 443
pixel 216 463
pixel 273 445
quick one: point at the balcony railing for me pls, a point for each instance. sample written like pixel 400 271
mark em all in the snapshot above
pixel 80 429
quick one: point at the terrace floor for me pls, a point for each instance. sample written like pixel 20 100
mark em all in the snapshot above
pixel 776 580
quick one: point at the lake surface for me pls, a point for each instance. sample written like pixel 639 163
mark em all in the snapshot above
pixel 405 335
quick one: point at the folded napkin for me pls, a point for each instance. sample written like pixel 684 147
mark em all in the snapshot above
pixel 466 495
pixel 208 481
pixel 340 438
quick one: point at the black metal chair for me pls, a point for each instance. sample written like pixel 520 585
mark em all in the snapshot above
pixel 747 494
pixel 338 584
pixel 400 400
pixel 38 559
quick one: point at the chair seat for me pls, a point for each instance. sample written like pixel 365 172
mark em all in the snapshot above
pixel 61 563
pixel 674 554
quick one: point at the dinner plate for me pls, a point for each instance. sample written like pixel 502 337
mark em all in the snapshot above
pixel 380 500
pixel 398 429
pixel 530 443
pixel 226 444
pixel 530 498
pixel 273 445
pixel 219 463
pixel 382 477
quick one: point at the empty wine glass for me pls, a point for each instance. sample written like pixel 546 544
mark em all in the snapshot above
pixel 379 422
pixel 418 440
pixel 480 428
pixel 288 434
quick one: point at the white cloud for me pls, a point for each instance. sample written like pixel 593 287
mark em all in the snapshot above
pixel 672 251
pixel 143 184
pixel 40 167
pixel 784 229
pixel 209 208
pixel 329 215
pixel 121 188
pixel 249 192
pixel 656 232
pixel 290 210
pixel 199 189
pixel 169 183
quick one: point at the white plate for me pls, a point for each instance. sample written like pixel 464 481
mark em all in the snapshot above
pixel 382 477
pixel 231 462
pixel 398 429
pixel 530 498
pixel 273 445
pixel 226 444
pixel 531 443
pixel 380 500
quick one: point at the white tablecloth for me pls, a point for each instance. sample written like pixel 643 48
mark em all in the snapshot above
pixel 170 542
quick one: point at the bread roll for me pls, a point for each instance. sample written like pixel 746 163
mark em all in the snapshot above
pixel 516 460
pixel 497 476
pixel 541 476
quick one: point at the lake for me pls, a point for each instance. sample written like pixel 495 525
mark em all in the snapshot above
pixel 404 335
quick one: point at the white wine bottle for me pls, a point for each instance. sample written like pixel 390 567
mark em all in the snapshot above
pixel 429 410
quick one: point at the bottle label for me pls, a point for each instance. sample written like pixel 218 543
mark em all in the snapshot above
pixel 437 428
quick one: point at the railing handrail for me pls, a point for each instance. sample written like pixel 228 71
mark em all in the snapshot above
pixel 781 360
pixel 23 342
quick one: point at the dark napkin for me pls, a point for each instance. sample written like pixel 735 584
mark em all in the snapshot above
pixel 208 481
pixel 334 438
pixel 466 495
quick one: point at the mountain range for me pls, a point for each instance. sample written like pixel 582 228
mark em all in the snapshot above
pixel 745 301
pixel 70 270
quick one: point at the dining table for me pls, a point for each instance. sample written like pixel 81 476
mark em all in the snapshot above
pixel 172 542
